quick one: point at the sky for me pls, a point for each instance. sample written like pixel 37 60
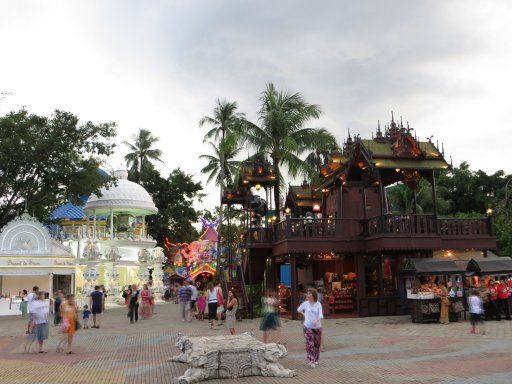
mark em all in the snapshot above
pixel 445 66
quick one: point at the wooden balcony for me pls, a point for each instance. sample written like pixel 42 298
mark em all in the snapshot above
pixel 398 232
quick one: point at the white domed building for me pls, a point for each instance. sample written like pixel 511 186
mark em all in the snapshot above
pixel 111 240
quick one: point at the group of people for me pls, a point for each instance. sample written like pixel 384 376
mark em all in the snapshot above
pixel 66 317
pixel 194 303
pixel 139 301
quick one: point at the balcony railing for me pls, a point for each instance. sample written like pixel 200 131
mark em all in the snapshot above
pixel 392 225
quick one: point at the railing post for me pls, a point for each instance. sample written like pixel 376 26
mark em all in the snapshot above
pixel 288 229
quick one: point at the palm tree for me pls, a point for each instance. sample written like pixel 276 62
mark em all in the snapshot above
pixel 225 121
pixel 142 154
pixel 282 134
pixel 226 150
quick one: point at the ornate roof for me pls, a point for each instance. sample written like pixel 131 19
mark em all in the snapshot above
pixel 26 236
pixel 126 196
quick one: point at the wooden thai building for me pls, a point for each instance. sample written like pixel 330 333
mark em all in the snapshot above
pixel 356 242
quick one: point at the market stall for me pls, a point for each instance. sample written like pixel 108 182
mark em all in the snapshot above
pixel 493 278
pixel 423 279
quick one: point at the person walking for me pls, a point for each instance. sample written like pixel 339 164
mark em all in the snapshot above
pixel 145 296
pixel 59 297
pixel 476 310
pixel 69 324
pixel 311 309
pixel 201 305
pixel 104 291
pixel 133 307
pixel 31 298
pixel 231 309
pixel 193 299
pixel 184 294
pixel 85 316
pixel 96 303
pixel 40 312
pixel 220 303
pixel 270 320
pixel 493 300
pixel 212 304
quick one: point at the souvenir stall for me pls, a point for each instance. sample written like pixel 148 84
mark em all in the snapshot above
pixel 482 273
pixel 422 280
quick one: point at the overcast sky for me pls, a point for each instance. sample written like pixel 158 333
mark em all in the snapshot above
pixel 445 66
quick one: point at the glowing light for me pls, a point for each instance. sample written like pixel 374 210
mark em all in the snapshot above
pixel 397 170
pixel 258 187
pixel 316 207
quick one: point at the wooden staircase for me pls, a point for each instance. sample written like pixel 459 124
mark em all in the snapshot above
pixel 237 285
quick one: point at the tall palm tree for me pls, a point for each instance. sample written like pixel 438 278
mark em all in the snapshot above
pixel 282 135
pixel 226 150
pixel 142 154
pixel 224 121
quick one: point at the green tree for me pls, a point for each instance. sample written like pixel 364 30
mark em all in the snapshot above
pixel 225 123
pixel 401 199
pixel 174 197
pixel 45 161
pixel 139 160
pixel 227 150
pixel 282 135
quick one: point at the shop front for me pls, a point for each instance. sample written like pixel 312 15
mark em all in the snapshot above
pixel 30 257
pixel 333 275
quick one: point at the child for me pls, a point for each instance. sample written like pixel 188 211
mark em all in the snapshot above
pixel 201 305
pixel 86 314
pixel 475 310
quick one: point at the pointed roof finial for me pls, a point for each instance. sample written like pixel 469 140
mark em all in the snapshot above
pixel 348 133
pixel 392 117
pixel 442 150
pixel 401 124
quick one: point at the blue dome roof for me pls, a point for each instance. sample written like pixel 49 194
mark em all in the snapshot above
pixel 69 210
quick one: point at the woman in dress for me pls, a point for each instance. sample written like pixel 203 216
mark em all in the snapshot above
pixel 270 321
pixel 444 317
pixel 69 320
pixel 311 309
pixel 231 308
pixel 145 295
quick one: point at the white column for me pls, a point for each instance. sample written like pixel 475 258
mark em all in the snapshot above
pixel 111 223
pixel 94 226
pixel 72 288
pixel 50 286
pixel 143 229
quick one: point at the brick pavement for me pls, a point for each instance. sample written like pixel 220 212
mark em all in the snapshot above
pixel 360 350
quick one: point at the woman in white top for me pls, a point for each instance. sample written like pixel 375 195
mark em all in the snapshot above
pixel 311 309
pixel 212 304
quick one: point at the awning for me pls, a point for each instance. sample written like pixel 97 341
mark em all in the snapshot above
pixel 501 265
pixel 417 267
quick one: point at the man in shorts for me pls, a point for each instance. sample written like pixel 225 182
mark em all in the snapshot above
pixel 96 305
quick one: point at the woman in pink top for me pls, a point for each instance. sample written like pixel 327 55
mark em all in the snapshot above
pixel 145 310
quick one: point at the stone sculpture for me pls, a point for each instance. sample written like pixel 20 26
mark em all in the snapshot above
pixel 229 357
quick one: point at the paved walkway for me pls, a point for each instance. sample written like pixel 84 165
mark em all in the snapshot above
pixel 360 350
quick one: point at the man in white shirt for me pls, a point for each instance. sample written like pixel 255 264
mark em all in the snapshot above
pixel 31 298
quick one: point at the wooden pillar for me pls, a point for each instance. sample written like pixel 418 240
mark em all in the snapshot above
pixel 72 288
pixel 339 202
pixel 382 193
pixel 364 202
pixel 293 270
pixel 434 198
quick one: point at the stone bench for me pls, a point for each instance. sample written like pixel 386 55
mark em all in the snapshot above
pixel 230 356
